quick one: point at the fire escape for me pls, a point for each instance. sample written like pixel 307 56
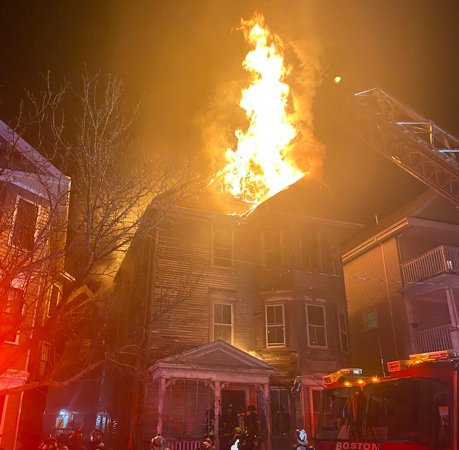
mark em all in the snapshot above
pixel 426 151
pixel 416 144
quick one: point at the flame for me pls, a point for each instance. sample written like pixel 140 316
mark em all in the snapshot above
pixel 259 166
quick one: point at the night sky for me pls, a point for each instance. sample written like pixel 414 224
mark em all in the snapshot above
pixel 183 59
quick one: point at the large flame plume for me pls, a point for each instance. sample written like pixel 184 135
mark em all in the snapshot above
pixel 260 166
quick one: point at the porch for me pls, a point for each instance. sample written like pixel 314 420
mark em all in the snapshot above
pixel 208 391
pixel 443 259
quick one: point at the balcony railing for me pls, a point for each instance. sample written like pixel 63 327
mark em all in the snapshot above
pixel 442 259
pixel 434 339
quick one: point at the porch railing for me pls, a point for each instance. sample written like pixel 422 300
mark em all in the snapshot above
pixel 442 259
pixel 434 339
pixel 183 445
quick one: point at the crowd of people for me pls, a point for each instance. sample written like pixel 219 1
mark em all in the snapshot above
pixel 76 441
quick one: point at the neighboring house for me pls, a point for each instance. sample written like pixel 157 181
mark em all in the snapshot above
pixel 34 205
pixel 236 310
pixel 402 284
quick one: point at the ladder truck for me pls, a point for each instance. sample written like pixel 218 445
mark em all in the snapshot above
pixel 416 144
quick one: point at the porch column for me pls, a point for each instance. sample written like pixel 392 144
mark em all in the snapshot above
pixel 454 318
pixel 217 403
pixel 161 395
pixel 267 415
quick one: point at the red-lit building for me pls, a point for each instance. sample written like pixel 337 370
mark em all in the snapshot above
pixel 235 310
pixel 32 194
pixel 402 283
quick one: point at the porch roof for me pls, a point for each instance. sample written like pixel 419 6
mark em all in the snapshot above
pixel 215 361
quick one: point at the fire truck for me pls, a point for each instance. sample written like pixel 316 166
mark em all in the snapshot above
pixel 415 407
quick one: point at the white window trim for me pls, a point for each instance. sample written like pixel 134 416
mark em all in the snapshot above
pixel 284 344
pixel 212 247
pixel 346 331
pixel 213 318
pixel 325 326
pixel 39 212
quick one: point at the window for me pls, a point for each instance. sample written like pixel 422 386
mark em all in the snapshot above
pixel 370 320
pixel 317 333
pixel 272 248
pixel 275 327
pixel 53 299
pixel 25 222
pixel 310 250
pixel 343 333
pixel 320 252
pixel 222 247
pixel 11 303
pixel 223 322
pixel 44 358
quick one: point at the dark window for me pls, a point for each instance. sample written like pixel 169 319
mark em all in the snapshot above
pixel 317 333
pixel 310 250
pixel 222 253
pixel 25 222
pixel 223 323
pixel 43 362
pixel 275 332
pixel 54 296
pixel 272 248
pixel 11 312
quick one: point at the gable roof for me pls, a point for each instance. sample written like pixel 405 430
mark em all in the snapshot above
pixel 214 360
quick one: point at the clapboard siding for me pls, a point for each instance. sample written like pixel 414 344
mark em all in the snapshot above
pixel 373 281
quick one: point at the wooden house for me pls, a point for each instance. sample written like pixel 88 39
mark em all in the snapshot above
pixel 237 311
pixel 33 195
pixel 401 278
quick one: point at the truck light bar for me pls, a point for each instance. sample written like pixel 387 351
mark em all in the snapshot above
pixel 395 366
pixel 342 373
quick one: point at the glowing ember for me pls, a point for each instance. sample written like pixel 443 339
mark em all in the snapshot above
pixel 259 167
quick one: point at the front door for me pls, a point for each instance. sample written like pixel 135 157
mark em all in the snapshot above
pixel 233 403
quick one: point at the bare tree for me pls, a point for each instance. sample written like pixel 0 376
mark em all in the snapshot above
pixel 67 267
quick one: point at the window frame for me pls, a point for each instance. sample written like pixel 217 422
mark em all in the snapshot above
pixel 313 263
pixel 58 286
pixel 365 315
pixel 308 325
pixel 264 249
pixel 13 223
pixel 277 344
pixel 223 303
pixel 344 331
pixel 214 263
pixel 43 363
pixel 20 314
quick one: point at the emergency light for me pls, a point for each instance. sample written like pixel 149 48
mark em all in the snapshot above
pixel 335 376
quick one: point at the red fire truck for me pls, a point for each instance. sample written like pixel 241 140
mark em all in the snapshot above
pixel 415 407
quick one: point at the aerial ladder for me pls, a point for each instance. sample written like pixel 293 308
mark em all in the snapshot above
pixel 416 144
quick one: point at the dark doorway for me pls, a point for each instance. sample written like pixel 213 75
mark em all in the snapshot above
pixel 233 403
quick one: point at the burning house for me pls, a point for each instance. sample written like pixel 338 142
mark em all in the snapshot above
pixel 233 307
pixel 235 310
